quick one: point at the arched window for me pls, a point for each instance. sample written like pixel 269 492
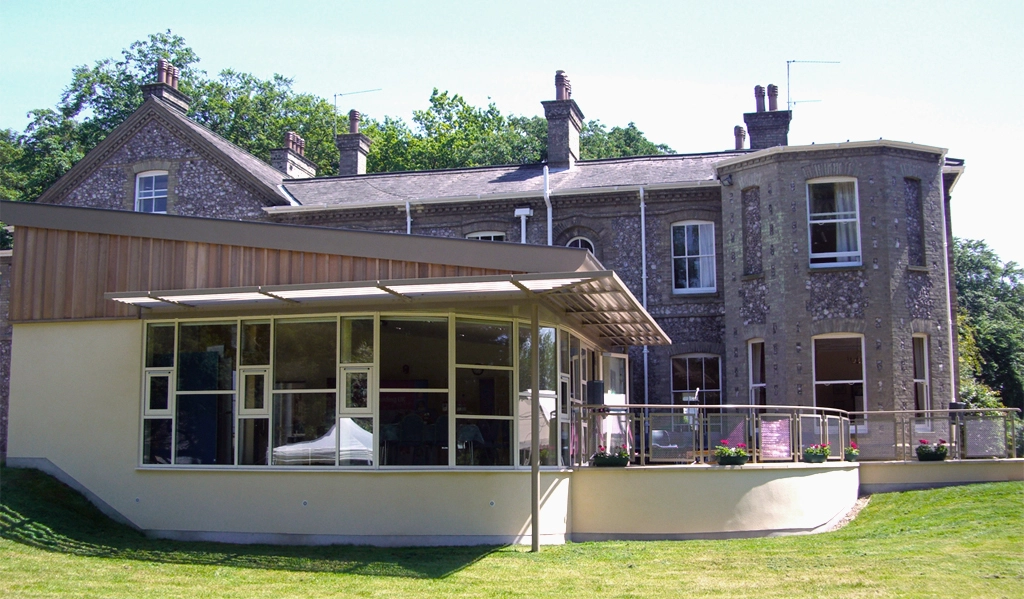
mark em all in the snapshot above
pixel 693 257
pixel 151 192
pixel 581 242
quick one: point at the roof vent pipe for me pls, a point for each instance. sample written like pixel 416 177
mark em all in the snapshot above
pixel 353 121
pixel 759 98
pixel 547 201
pixel 773 97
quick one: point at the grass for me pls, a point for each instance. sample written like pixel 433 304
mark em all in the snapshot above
pixel 954 542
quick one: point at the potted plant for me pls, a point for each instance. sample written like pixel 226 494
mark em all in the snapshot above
pixel 817 454
pixel 609 459
pixel 932 452
pixel 852 453
pixel 731 456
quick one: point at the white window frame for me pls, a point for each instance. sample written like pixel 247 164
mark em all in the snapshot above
pixel 152 373
pixel 751 385
pixel 840 259
pixel 582 243
pixel 487 236
pixel 342 409
pixel 138 192
pixel 703 225
pixel 244 372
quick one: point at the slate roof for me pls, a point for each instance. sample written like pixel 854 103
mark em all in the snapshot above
pixel 495 181
pixel 268 175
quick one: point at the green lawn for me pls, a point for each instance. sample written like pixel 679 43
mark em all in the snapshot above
pixel 954 542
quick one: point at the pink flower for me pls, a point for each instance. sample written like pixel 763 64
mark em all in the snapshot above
pixel 741 445
pixel 853 445
pixel 724 442
pixel 923 441
pixel 942 441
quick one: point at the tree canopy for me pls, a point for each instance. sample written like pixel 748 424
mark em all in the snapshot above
pixel 990 295
pixel 255 113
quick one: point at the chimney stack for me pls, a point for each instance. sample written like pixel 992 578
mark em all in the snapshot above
pixel 565 120
pixel 166 87
pixel 741 136
pixel 352 148
pixel 291 159
pixel 767 129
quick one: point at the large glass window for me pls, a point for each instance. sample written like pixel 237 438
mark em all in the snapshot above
pixel 548 440
pixel 758 387
pixel 204 402
pixel 151 192
pixel 922 393
pixel 696 379
pixel 833 225
pixel 839 373
pixel 693 257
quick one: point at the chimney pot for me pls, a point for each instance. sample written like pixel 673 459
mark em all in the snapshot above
pixel 161 71
pixel 773 97
pixel 353 121
pixel 291 159
pixel 759 98
pixel 741 134
pixel 563 89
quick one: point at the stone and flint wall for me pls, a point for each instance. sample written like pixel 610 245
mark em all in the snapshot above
pixel 898 291
pixel 196 185
pixel 5 348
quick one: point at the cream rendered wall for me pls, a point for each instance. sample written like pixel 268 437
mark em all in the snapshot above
pixel 709 501
pixel 75 400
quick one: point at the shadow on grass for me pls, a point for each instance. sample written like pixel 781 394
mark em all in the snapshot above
pixel 38 511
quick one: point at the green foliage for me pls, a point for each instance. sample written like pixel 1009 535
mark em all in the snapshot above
pixel 596 141
pixel 255 113
pixel 990 322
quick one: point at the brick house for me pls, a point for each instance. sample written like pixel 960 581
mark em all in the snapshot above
pixel 813 275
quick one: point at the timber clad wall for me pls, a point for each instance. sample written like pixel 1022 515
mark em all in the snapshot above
pixel 68 280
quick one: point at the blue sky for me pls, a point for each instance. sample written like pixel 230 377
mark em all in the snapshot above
pixel 940 73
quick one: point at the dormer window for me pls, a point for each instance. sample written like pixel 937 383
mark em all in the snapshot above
pixel 151 192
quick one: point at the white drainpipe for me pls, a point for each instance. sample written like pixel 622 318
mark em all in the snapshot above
pixel 547 201
pixel 643 282
pixel 408 220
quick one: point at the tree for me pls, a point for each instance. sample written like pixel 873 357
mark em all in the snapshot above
pixel 991 299
pixel 597 142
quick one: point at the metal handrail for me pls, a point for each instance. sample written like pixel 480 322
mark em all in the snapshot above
pixel 806 425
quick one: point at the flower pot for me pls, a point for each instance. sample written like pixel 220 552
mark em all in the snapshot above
pixel 930 457
pixel 609 461
pixel 732 460
pixel 815 458
pixel 852 457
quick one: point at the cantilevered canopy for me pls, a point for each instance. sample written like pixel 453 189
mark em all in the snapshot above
pixel 596 301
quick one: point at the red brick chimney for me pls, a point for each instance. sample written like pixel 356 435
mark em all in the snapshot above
pixel 166 87
pixel 565 120
pixel 291 159
pixel 352 148
pixel 767 129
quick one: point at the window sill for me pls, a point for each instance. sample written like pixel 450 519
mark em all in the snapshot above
pixel 923 269
pixel 695 292
pixel 752 277
pixel 839 268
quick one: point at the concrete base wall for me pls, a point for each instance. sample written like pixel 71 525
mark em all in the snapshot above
pixel 885 477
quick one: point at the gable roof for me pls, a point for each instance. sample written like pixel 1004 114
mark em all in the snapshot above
pixel 495 182
pixel 254 174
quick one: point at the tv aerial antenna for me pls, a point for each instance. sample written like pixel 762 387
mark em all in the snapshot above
pixel 336 96
pixel 789 95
